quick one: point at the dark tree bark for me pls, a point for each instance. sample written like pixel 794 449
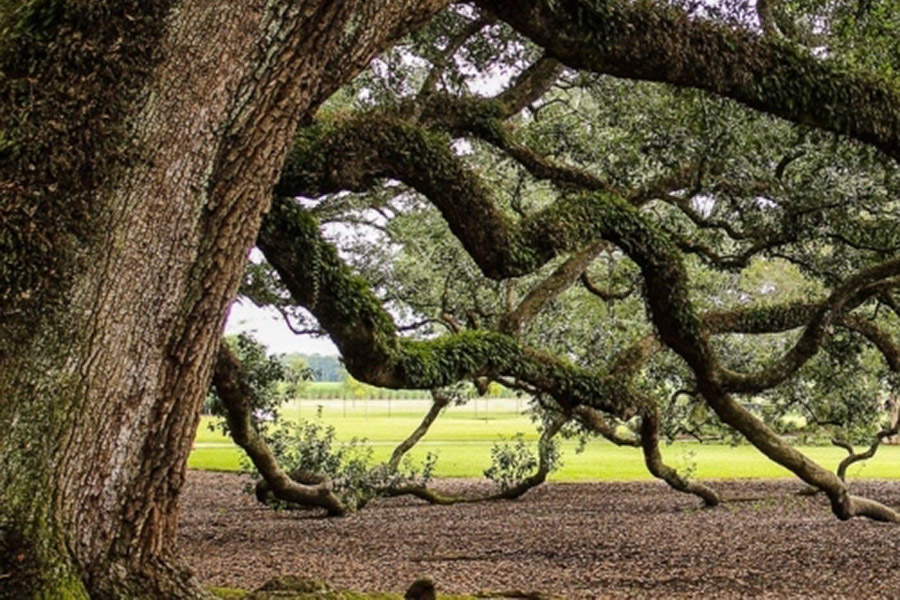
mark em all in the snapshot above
pixel 139 142
pixel 656 42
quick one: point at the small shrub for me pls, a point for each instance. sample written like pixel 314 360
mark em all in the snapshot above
pixel 310 447
pixel 514 460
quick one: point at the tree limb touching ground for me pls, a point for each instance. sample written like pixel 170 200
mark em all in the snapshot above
pixel 509 493
pixel 439 401
pixel 375 146
pixel 122 245
pixel 313 490
pixel 234 392
pixel 503 248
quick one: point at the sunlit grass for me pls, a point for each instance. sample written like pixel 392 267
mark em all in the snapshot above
pixel 463 436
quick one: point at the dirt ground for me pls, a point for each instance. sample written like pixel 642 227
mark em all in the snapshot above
pixel 604 540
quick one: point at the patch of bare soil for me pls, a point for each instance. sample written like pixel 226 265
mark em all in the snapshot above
pixel 604 540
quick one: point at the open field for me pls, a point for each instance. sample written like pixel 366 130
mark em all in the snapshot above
pixel 575 541
pixel 463 437
pixel 331 390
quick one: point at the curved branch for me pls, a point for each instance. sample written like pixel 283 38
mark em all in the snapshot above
pixel 853 458
pixel 530 85
pixel 773 318
pixel 367 338
pixel 649 443
pixel 654 461
pixel 604 295
pixel 440 399
pixel 502 249
pixel 510 493
pixel 556 283
pixel 593 420
pixel 234 391
pixel 484 119
pixel 453 45
pixel 879 338
pixel 656 42
pixel 855 290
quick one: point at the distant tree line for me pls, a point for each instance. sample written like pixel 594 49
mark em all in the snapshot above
pixel 323 368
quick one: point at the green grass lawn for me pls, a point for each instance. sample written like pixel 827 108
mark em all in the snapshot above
pixel 462 437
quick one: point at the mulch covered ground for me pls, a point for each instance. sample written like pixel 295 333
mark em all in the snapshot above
pixel 605 540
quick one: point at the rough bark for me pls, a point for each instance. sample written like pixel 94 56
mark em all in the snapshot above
pixel 503 248
pixel 140 145
pixel 367 338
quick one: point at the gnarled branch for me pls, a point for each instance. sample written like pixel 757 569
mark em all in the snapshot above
pixel 439 400
pixel 234 392
pixel 654 461
pixel 510 493
pixel 657 42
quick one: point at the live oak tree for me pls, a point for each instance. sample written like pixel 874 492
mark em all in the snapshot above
pixel 728 193
pixel 140 144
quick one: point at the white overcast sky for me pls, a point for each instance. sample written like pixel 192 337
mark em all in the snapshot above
pixel 268 327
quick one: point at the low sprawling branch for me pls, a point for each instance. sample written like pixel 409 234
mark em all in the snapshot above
pixel 366 335
pixel 654 461
pixel 234 392
pixel 631 39
pixel 367 338
pixel 510 493
pixel 648 441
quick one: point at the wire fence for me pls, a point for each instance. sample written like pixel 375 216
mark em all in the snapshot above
pixel 403 407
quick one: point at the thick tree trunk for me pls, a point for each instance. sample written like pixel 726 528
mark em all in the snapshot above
pixel 139 142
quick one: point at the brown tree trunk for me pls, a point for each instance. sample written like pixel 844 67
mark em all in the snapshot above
pixel 139 142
